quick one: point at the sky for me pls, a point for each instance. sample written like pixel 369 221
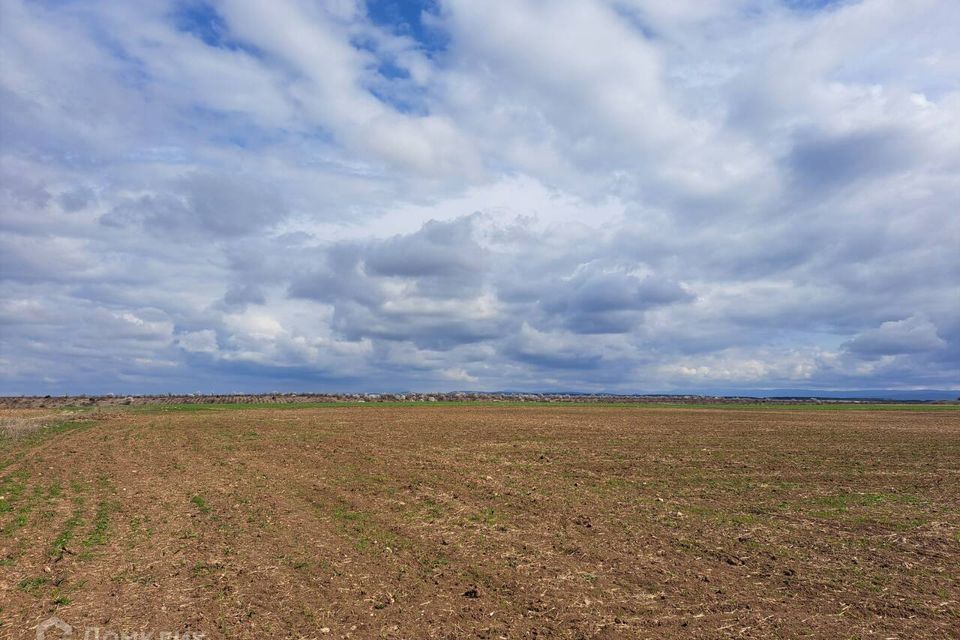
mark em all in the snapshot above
pixel 593 195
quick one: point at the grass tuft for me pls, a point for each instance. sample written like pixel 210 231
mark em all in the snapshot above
pixel 201 504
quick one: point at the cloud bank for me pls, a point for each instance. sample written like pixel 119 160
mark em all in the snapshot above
pixel 621 195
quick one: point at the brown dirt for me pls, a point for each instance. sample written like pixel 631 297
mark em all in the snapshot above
pixel 487 522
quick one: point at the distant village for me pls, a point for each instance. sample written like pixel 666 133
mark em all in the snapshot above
pixel 111 400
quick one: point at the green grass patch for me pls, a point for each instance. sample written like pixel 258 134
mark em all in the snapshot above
pixel 21 504
pixel 69 528
pixel 759 406
pixel 201 569
pixel 12 487
pixel 895 511
pixel 368 536
pixel 101 525
pixel 346 515
pixel 201 504
pixel 31 585
pixel 41 433
pixel 844 501
pixel 488 517
pixel 433 510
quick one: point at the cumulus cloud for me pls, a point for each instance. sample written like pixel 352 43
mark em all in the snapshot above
pixel 596 194
pixel 442 258
pixel 915 334
pixel 593 300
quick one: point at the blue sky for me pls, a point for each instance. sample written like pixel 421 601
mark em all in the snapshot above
pixel 596 195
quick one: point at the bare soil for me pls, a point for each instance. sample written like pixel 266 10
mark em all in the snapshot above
pixel 484 522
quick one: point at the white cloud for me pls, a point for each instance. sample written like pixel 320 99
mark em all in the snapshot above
pixel 620 194
pixel 204 341
pixel 895 337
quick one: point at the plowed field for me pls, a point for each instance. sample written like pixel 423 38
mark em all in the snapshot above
pixel 482 522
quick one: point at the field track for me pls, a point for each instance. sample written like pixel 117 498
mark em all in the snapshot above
pixel 483 522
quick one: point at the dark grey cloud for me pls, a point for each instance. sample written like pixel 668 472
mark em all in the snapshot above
pixel 821 162
pixel 422 286
pixel 21 191
pixel 212 205
pixel 340 277
pixel 551 351
pixel 426 328
pixel 598 301
pixel 442 258
pixel 240 296
pixel 77 198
